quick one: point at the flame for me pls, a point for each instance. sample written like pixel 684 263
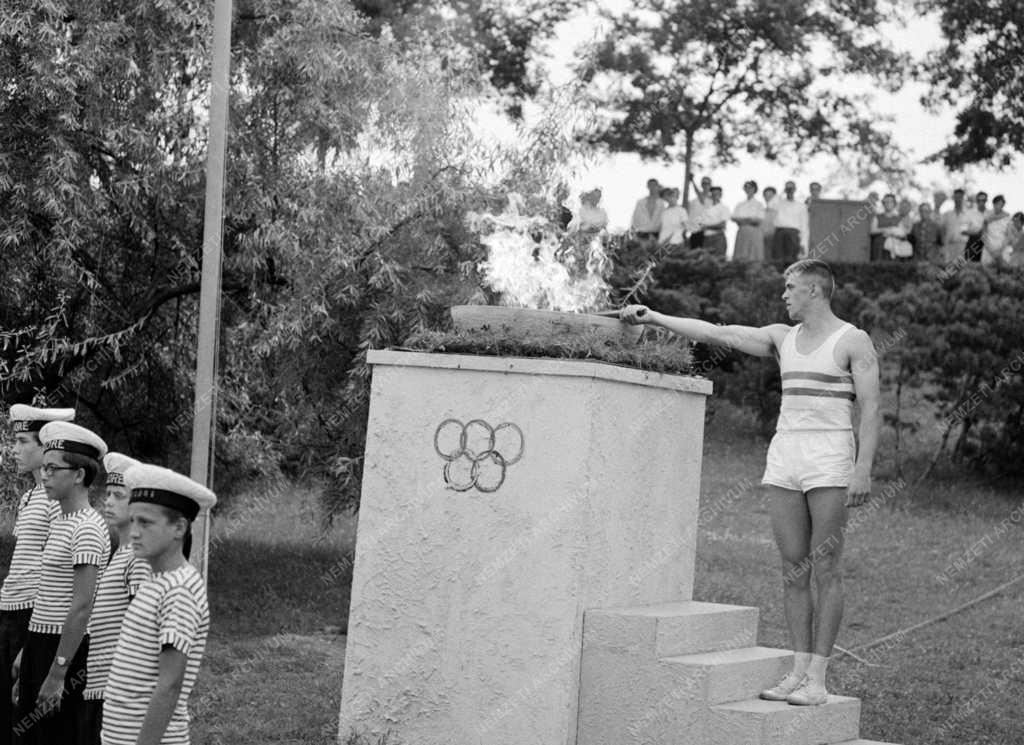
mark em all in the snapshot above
pixel 557 273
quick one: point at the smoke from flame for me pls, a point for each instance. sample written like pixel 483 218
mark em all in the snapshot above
pixel 558 273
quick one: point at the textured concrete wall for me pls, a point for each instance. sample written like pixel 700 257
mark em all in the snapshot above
pixel 466 616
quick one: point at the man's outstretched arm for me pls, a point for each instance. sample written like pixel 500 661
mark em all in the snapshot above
pixel 864 367
pixel 760 342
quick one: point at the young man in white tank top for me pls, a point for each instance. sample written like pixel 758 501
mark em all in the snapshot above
pixel 814 470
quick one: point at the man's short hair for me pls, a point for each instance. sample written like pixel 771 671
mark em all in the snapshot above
pixel 751 183
pixel 772 189
pixel 87 464
pixel 653 181
pixel 716 188
pixel 958 191
pixel 999 198
pixel 818 270
pixel 981 194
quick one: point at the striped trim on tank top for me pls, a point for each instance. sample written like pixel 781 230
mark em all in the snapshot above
pixel 31 529
pixel 79 537
pixel 119 583
pixel 801 383
pixel 170 609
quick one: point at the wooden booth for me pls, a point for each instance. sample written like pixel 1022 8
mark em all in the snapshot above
pixel 840 230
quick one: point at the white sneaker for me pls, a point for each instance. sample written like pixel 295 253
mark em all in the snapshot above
pixel 784 687
pixel 810 693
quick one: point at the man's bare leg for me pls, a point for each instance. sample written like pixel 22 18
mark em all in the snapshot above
pixel 828 518
pixel 791 523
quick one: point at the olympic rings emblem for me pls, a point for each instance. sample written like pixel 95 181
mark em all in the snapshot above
pixel 475 454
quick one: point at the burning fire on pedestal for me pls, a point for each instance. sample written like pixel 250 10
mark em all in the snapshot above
pixel 533 267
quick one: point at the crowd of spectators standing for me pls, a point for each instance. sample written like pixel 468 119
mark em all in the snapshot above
pixel 775 227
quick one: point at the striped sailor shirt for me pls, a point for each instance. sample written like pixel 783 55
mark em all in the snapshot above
pixel 119 583
pixel 170 609
pixel 31 528
pixel 79 537
pixel 816 393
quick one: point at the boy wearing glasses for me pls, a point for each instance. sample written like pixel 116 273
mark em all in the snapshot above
pixel 53 674
pixel 31 528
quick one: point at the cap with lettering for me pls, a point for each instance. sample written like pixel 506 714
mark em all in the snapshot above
pixel 162 486
pixel 72 438
pixel 25 418
pixel 115 464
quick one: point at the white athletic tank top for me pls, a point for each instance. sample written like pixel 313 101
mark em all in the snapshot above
pixel 816 393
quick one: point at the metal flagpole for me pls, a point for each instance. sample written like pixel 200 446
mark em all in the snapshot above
pixel 204 419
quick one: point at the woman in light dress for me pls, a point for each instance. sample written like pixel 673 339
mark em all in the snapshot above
pixel 748 215
pixel 673 221
pixel 590 218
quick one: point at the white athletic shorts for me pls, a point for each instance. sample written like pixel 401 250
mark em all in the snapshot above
pixel 802 461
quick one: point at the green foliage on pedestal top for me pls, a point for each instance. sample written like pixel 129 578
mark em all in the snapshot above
pixel 657 352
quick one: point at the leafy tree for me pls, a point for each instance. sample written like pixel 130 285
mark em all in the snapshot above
pixel 681 79
pixel 978 72
pixel 505 38
pixel 352 161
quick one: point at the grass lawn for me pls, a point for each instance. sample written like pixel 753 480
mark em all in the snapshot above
pixel 279 600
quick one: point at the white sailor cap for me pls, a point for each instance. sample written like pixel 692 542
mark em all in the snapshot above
pixel 115 464
pixel 72 438
pixel 156 485
pixel 26 418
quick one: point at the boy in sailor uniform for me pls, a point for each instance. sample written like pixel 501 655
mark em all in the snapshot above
pixel 53 674
pixel 163 635
pixel 31 528
pixel 118 584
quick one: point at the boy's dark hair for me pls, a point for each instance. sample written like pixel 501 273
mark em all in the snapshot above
pixel 87 464
pixel 172 514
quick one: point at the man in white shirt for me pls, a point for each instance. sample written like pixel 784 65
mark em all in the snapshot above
pixel 956 225
pixel 713 221
pixel 975 239
pixel 695 209
pixel 791 227
pixel 646 223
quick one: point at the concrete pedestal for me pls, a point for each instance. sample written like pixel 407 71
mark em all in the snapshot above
pixel 501 498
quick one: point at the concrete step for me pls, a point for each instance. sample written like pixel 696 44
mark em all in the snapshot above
pixel 732 674
pixel 670 629
pixel 757 722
